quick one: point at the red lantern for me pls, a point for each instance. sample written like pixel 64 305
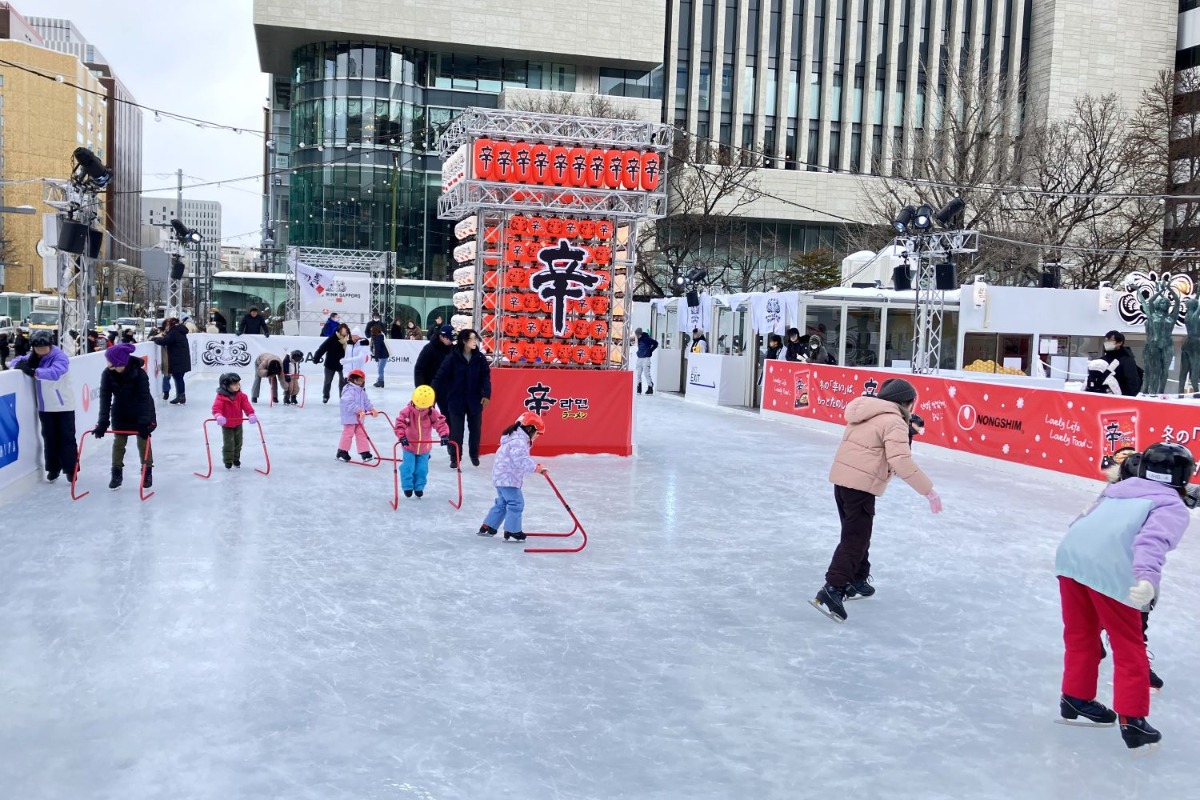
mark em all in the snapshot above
pixel 581 328
pixel 483 159
pixel 599 329
pixel 614 166
pixel 516 251
pixel 602 255
pixel 604 230
pixel 562 352
pixel 581 354
pixel 489 300
pixel 547 352
pixel 512 302
pixel 631 175
pixel 514 278
pixel 577 176
pixel 491 234
pixel 531 302
pixel 512 327
pixel 595 169
pixel 598 304
pixel 546 329
pixel 518 225
pixel 489 344
pixel 512 351
pixel 489 323
pixel 554 226
pixel 571 228
pixel 537 226
pixel 529 351
pixel 587 229
pixel 540 169
pixel 599 353
pixel 531 327
pixel 651 171
pixel 522 162
pixel 504 168
pixel 605 280
pixel 560 166
pixel 490 279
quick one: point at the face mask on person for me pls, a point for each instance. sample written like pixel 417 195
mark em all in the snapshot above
pixel 1110 346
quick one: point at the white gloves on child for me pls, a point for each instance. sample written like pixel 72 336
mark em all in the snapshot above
pixel 935 501
pixel 1142 593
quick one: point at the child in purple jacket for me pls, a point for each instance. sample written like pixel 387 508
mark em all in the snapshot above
pixel 513 463
pixel 354 406
pixel 1109 566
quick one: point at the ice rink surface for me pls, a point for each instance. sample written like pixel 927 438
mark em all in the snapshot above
pixel 292 637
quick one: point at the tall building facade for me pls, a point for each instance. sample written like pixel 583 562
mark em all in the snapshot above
pixel 203 215
pixel 41 124
pixel 359 98
pixel 123 135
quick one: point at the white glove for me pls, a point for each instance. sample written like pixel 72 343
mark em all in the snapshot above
pixel 935 501
pixel 1142 593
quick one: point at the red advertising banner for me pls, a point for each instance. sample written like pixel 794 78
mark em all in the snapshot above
pixel 1069 432
pixel 585 411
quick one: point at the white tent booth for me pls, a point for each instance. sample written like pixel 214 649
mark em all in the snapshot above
pixel 1028 335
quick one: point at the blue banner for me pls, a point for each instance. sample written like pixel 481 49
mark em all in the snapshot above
pixel 10 430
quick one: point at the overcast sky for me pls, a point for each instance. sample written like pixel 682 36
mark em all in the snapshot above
pixel 194 57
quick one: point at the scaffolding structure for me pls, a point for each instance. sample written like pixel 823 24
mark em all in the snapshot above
pixel 76 282
pixel 380 265
pixel 930 249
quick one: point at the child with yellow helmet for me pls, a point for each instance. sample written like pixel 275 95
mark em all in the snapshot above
pixel 416 426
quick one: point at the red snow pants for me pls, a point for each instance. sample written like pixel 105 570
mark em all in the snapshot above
pixel 1085 612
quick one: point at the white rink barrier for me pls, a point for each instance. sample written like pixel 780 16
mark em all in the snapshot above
pixel 217 353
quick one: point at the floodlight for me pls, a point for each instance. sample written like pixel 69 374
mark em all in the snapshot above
pixel 950 212
pixel 900 223
pixel 923 220
pixel 92 168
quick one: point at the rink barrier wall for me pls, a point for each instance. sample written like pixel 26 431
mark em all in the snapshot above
pixel 20 439
pixel 1067 433
pixel 217 353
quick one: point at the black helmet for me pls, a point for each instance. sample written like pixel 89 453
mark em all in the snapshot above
pixel 41 339
pixel 1129 467
pixel 1167 463
pixel 297 355
pixel 230 378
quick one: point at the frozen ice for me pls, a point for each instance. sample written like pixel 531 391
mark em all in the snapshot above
pixel 291 636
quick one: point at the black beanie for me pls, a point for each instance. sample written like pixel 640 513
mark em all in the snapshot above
pixel 897 390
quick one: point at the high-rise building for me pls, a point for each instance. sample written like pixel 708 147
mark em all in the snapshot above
pixel 123 135
pixel 361 92
pixel 41 123
pixel 202 215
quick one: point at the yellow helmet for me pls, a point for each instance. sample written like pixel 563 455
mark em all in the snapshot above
pixel 423 396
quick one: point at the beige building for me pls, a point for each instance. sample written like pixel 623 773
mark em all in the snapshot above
pixel 43 122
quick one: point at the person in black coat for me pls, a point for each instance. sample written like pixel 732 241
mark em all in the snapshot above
pixel 431 358
pixel 1129 376
pixel 794 348
pixel 21 344
pixel 126 405
pixel 4 351
pixel 464 383
pixel 253 324
pixel 397 329
pixel 179 356
pixel 216 318
pixel 379 350
pixel 331 352
pixel 435 327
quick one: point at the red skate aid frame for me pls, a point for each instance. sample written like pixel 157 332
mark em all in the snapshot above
pixel 303 392
pixel 379 457
pixel 208 450
pixel 577 529
pixel 79 460
pixel 395 502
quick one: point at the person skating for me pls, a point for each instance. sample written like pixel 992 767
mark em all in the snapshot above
pixel 49 367
pixel 379 351
pixel 512 464
pixel 126 405
pixel 1109 566
pixel 269 366
pixel 253 324
pixel 332 351
pixel 228 409
pixel 415 427
pixel 464 385
pixel 354 406
pixel 875 446
pixel 646 345
pixel 177 358
pixel 217 319
pixel 291 377
pixel 430 359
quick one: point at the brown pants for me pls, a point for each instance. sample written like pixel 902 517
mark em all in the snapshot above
pixel 850 561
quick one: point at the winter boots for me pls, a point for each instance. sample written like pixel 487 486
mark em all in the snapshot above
pixel 1136 731
pixel 650 390
pixel 830 602
pixel 180 400
pixel 342 455
pixel 378 384
pixel 1072 708
pixel 117 477
pixel 639 388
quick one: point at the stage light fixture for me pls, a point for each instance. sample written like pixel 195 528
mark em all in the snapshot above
pixel 92 168
pixel 923 219
pixel 950 212
pixel 902 220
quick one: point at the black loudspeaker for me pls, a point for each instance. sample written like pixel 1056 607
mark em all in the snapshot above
pixel 693 299
pixel 945 277
pixel 900 280
pixel 176 268
pixel 95 240
pixel 1051 277
pixel 72 237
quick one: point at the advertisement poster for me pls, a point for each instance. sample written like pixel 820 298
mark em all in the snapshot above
pixel 325 291
pixel 585 411
pixel 1068 432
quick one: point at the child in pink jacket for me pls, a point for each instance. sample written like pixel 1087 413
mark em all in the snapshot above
pixel 355 405
pixel 417 425
pixel 227 409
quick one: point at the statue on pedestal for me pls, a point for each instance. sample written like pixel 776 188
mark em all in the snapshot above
pixel 1189 358
pixel 1162 311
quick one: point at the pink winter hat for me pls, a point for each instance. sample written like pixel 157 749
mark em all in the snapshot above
pixel 118 355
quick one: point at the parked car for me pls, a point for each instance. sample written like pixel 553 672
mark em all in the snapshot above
pixel 7 326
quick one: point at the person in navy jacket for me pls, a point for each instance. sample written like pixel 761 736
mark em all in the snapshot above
pixel 645 350
pixel 464 381
pixel 48 366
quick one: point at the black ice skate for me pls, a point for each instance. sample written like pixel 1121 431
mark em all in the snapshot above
pixel 516 536
pixel 148 478
pixel 1136 732
pixel 1156 682
pixel 367 457
pixel 639 388
pixel 237 465
pixel 52 475
pixel 408 492
pixel 829 602
pixel 1095 715
pixel 342 455
pixel 860 589
pixel 650 390
pixel 485 530
pixel 118 477
pixel 420 493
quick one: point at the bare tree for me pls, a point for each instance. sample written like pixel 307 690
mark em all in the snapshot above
pixel 811 271
pixel 574 105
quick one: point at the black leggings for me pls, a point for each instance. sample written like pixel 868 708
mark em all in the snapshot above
pixel 329 373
